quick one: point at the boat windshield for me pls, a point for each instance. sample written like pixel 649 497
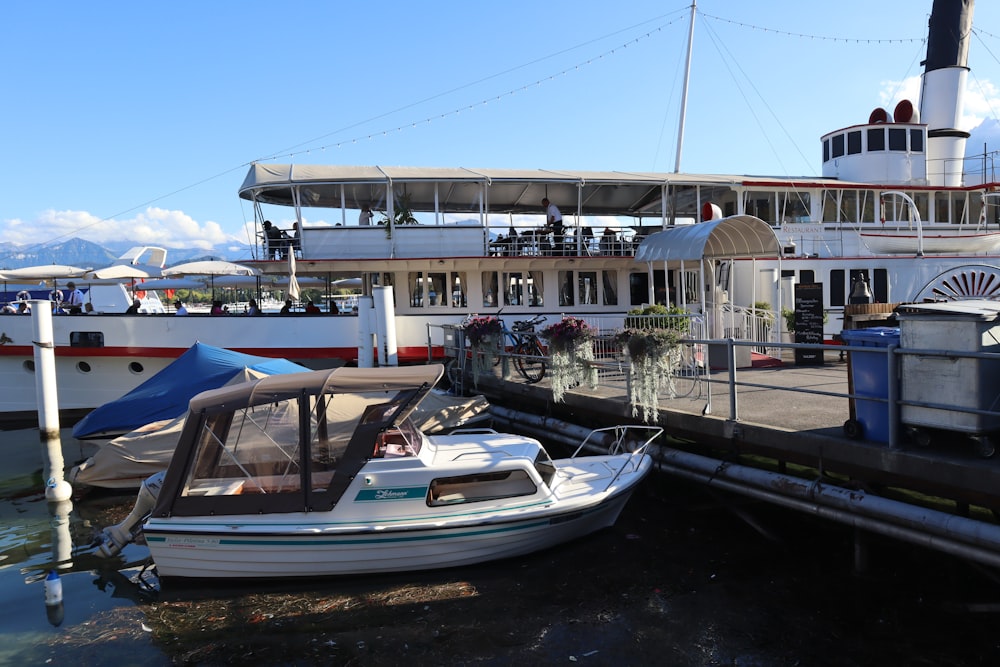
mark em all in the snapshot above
pixel 403 440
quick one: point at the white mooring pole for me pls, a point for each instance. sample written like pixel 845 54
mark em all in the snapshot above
pixel 57 488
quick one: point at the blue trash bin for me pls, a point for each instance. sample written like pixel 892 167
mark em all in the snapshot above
pixel 870 372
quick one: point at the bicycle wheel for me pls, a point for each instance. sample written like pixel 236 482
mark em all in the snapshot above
pixel 529 360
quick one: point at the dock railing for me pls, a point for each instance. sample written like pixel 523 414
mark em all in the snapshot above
pixel 887 388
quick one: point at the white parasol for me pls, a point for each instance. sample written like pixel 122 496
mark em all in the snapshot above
pixel 210 267
pixel 293 283
pixel 124 272
pixel 44 272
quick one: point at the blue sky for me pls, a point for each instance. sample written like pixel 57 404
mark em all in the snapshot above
pixel 138 120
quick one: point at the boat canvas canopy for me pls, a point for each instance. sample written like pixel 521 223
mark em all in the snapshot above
pixel 738 236
pixel 338 380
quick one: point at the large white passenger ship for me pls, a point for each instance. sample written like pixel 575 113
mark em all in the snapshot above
pixel 891 210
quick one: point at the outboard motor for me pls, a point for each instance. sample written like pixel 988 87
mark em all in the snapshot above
pixel 114 538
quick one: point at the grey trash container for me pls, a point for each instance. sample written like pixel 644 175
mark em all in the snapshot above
pixel 961 326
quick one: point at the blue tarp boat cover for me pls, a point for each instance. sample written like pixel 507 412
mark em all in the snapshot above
pixel 166 394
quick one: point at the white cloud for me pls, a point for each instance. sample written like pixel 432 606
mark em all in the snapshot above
pixel 982 98
pixel 154 226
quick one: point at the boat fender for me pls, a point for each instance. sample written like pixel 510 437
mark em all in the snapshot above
pixel 24 295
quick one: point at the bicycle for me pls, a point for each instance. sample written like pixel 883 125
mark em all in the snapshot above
pixel 526 350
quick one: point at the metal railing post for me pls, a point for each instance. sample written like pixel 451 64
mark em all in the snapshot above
pixel 731 360
pixel 892 364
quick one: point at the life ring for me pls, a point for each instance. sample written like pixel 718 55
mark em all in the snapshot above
pixel 56 295
pixel 24 295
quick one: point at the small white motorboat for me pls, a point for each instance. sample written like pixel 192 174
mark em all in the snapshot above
pixel 325 473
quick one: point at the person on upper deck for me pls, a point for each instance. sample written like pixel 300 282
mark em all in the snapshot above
pixel 179 308
pixel 217 308
pixel 294 242
pixel 608 241
pixel 134 308
pixel 276 245
pixel 312 308
pixel 287 308
pixel 252 308
pixel 553 223
pixel 366 215
pixel 74 300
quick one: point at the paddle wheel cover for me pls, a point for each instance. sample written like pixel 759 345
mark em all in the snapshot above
pixel 963 282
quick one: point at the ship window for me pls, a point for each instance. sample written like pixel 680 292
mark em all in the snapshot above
pixel 428 291
pixel 587 284
pixel 876 139
pixel 837 145
pixel 897 139
pixel 807 277
pixel 566 288
pixel 941 208
pixel 793 206
pixel 867 207
pixel 917 141
pixel 438 294
pixel 459 281
pixel 759 204
pixel 480 487
pixel 522 289
pixel 86 339
pixel 826 150
pixel 610 288
pixel 838 292
pixel 854 142
pixel 490 289
pixel 638 288
pixel 880 286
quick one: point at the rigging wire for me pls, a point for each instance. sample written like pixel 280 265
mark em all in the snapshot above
pixel 291 151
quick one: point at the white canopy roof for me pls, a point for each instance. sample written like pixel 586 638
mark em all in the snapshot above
pixel 461 189
pixel 738 236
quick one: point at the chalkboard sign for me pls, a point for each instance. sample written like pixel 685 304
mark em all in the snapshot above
pixel 809 322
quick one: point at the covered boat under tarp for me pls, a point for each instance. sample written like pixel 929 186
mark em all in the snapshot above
pixel 165 395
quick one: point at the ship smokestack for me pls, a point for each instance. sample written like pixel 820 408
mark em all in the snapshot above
pixel 943 89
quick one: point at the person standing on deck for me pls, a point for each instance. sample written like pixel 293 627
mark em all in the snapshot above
pixel 366 216
pixel 553 223
pixel 74 300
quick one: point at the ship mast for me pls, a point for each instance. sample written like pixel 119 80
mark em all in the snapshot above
pixel 684 95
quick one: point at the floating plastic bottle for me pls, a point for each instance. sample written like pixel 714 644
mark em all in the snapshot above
pixel 53 588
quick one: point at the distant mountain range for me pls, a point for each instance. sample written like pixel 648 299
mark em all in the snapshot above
pixel 85 254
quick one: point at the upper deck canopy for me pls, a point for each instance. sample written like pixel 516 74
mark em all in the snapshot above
pixel 463 190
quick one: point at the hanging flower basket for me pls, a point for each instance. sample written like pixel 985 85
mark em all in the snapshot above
pixel 653 355
pixel 572 355
pixel 479 328
pixel 485 335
